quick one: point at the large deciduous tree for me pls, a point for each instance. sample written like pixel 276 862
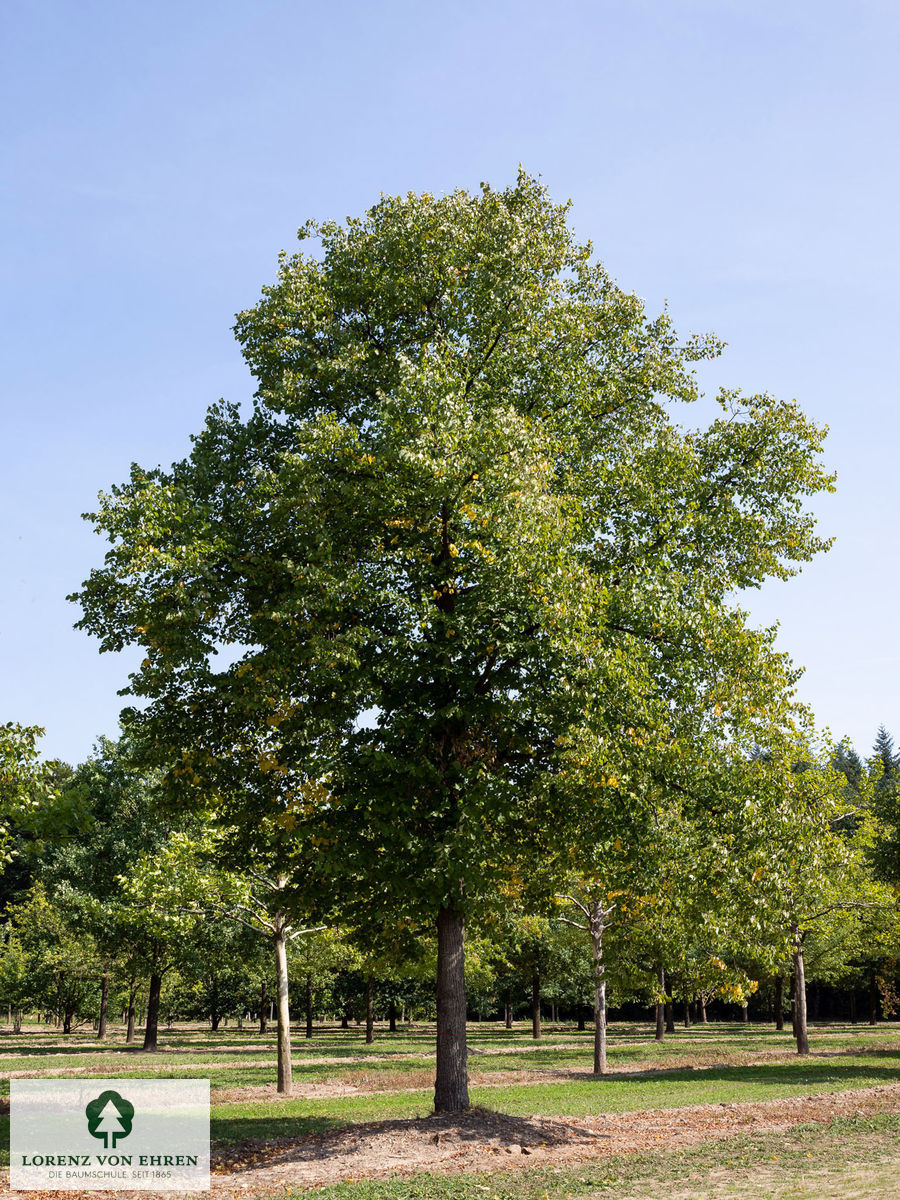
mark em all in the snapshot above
pixel 461 506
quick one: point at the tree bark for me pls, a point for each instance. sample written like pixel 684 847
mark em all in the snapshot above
pixel 151 1029
pixel 670 1016
pixel 660 1014
pixel 451 1085
pixel 801 1032
pixel 285 1076
pixel 853 1008
pixel 792 999
pixel 582 1023
pixel 309 1006
pixel 263 1008
pixel 536 1004
pixel 132 997
pixel 703 1017
pixel 779 1002
pixel 597 929
pixel 687 1013
pixel 873 997
pixel 507 1013
pixel 370 1013
pixel 104 1004
pixel 345 1018
pixel 392 1017
pixel 745 1014
pixel 68 1014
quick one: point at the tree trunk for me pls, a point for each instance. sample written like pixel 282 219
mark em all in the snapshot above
pixel 581 1018
pixel 801 1032
pixel 345 1018
pixel 745 1014
pixel 263 1008
pixel 285 1076
pixel 660 1004
pixel 214 1022
pixel 853 1008
pixel 670 1016
pixel 873 998
pixel 17 1021
pixel 392 1017
pixel 132 997
pixel 597 929
pixel 370 1012
pixel 69 1013
pixel 703 1017
pixel 104 1004
pixel 309 1006
pixel 792 1000
pixel 151 1029
pixel 536 1004
pixel 507 1014
pixel 451 1085
pixel 779 1002
pixel 687 1013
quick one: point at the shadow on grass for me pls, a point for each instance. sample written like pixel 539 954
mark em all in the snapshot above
pixel 310 1139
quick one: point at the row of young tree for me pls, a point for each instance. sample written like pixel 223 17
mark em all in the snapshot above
pixel 115 910
pixel 442 634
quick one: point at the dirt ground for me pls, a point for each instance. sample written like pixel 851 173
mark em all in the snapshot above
pixel 486 1141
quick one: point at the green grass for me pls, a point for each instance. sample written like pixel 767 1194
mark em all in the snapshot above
pixel 574 1098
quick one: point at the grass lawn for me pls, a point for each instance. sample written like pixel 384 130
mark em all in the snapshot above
pixel 714 1064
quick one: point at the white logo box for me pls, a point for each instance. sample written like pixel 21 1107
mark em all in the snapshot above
pixel 109 1134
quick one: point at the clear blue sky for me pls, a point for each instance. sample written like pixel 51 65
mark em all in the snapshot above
pixel 736 157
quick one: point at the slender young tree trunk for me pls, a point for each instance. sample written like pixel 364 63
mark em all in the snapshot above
pixel 670 1016
pixel 370 1012
pixel 582 1023
pixel 597 930
pixel 451 1085
pixel 779 1002
pixel 17 1021
pixel 801 1032
pixel 853 1008
pixel 703 1017
pixel 104 1004
pixel 745 1014
pixel 132 998
pixel 507 1015
pixel 263 1008
pixel 392 1017
pixel 285 1075
pixel 151 1029
pixel 792 1000
pixel 536 1004
pixel 873 997
pixel 309 1006
pixel 660 1004
pixel 687 1013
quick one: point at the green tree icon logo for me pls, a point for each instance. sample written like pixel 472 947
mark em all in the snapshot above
pixel 109 1116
